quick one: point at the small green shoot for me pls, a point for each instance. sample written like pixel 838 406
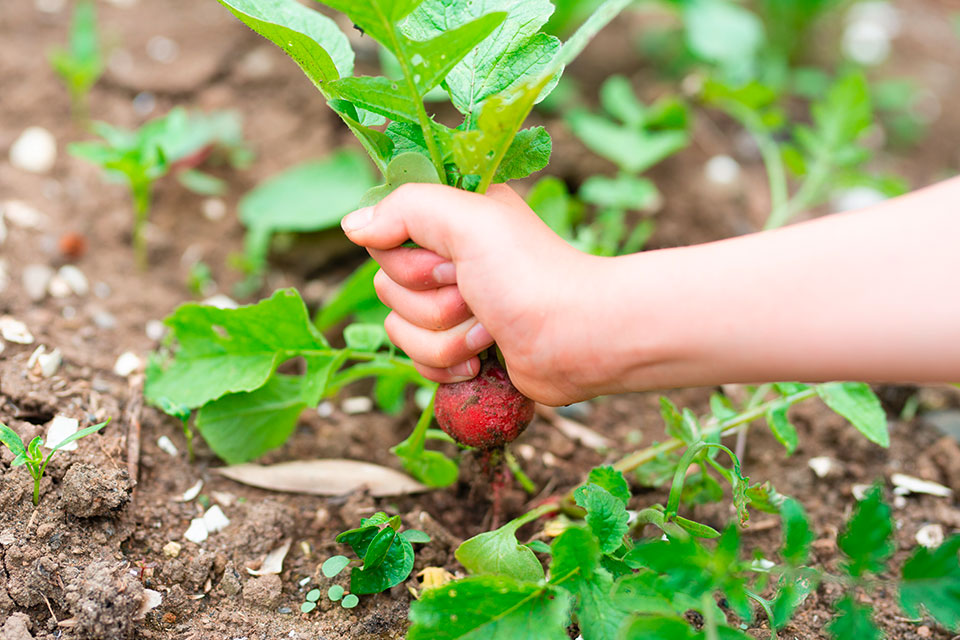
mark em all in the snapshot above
pixel 31 456
pixel 80 64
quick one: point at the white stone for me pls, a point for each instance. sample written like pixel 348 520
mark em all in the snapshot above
pixel 856 198
pixel 12 330
pixel 44 363
pixel 821 465
pixel 197 531
pixel 102 290
pixel 75 279
pixel 58 287
pixel 104 319
pixel 325 409
pixel 356 404
pixel 162 49
pixel 20 214
pixel 35 279
pixel 722 171
pixel 191 493
pixel 34 151
pixel 908 484
pixel 214 209
pixel 215 519
pixel 866 43
pixel 155 330
pixel 930 536
pixel 144 103
pixel 860 491
pixel 221 301
pixel 127 363
pixel 59 430
pixel 151 600
pixel 166 445
pixel 878 12
pixel 50 6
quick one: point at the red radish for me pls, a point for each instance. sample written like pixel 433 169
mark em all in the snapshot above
pixel 485 412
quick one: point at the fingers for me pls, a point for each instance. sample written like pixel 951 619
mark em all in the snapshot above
pixel 438 349
pixel 416 269
pixel 458 373
pixel 436 309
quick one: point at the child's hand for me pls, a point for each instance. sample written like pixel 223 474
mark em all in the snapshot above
pixel 489 270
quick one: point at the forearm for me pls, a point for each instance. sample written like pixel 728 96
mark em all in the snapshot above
pixel 869 295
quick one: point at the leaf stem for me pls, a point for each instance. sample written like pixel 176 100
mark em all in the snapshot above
pixel 709 616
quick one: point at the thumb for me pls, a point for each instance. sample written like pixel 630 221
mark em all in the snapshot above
pixel 436 217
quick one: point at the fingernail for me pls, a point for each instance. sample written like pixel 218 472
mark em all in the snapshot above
pixel 463 371
pixel 445 273
pixel 478 338
pixel 357 220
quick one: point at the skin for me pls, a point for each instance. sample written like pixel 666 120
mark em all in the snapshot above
pixel 867 295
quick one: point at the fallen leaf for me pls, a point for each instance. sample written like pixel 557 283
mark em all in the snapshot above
pixel 573 429
pixel 331 477
pixel 273 562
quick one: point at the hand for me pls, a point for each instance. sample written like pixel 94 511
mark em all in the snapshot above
pixel 487 270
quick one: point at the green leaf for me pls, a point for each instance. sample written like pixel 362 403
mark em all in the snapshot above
pixel 783 430
pixel 312 196
pixel 364 336
pixel 432 468
pixel 320 370
pixel 313 595
pixel 606 515
pixel 853 623
pixel 633 150
pixel 722 32
pixel 202 183
pixel 696 529
pixel 12 440
pixel 498 552
pixel 677 424
pixel 416 536
pixel 659 628
pixel 355 295
pixel 242 426
pixel 792 591
pixel 612 480
pixel 82 433
pixel 931 582
pixel 856 402
pixel 391 567
pixel 551 200
pixel 797 534
pixel 514 53
pixel 313 40
pixel 350 601
pixel 221 351
pixel 81 64
pixel 621 192
pixel 307 607
pixel 378 548
pixel 867 539
pixel 377 94
pixel 490 607
pixel 528 153
pixel 620 101
pixel 404 168
pixel 333 565
pixel 335 592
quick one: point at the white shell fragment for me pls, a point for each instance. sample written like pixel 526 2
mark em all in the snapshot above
pixel 930 536
pixel 127 363
pixel 34 151
pixel 151 600
pixel 59 430
pixel 166 445
pixel 821 465
pixel 155 330
pixel 20 214
pixel 197 531
pixel 190 493
pixel 273 562
pixel 908 484
pixel 356 405
pixel 722 171
pixel 44 363
pixel 214 209
pixel 58 287
pixel 860 491
pixel 215 520
pixel 35 279
pixel 75 280
pixel 12 330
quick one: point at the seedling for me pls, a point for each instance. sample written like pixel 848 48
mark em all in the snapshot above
pixel 80 64
pixel 31 456
pixel 178 141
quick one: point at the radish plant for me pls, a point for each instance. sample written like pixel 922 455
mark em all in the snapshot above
pixel 80 64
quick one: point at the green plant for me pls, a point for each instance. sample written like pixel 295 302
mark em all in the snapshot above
pixel 80 64
pixel 179 141
pixel 31 456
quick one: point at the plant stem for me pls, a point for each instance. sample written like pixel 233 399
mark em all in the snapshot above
pixel 709 617
pixel 518 473
pixel 141 210
pixel 36 491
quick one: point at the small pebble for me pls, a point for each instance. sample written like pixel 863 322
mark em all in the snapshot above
pixel 215 520
pixel 722 171
pixel 356 405
pixel 22 215
pixel 166 445
pixel 102 290
pixel 162 49
pixel 191 493
pixel 214 209
pixel 144 103
pixel 856 198
pixel 127 363
pixel 3 229
pixel 197 531
pixel 104 320
pixel 930 536
pixel 549 459
pixel 35 279
pixel 34 151
pixel 12 330
pixel 325 409
pixel 172 549
pixel 155 330
pixel 58 287
pixel 221 301
pixel 821 465
pixel 46 364
pixel 866 43
pixel 59 430
pixel 50 6
pixel 527 451
pixel 75 279
pixel 924 631
pixel 860 491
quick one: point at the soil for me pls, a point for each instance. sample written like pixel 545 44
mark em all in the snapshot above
pixel 109 528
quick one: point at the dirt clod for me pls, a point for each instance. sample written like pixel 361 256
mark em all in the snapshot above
pixel 17 627
pixel 105 601
pixel 263 591
pixel 90 491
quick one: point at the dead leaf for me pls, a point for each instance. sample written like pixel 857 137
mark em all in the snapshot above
pixel 331 477
pixel 273 562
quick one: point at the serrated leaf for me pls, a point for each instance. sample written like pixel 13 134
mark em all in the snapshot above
pixel 377 94
pixel 658 628
pixel 612 480
pixel 782 429
pixel 403 169
pixel 633 150
pixel 792 591
pixel 867 539
pixel 619 100
pixel 853 622
pixel 606 515
pixel 313 40
pixel 797 534
pixel 490 607
pixel 528 153
pixel 498 552
pixel 674 421
pixel 221 351
pixel 931 582
pixel 242 426
pixel 856 402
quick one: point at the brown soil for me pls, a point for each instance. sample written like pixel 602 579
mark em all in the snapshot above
pixel 78 565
